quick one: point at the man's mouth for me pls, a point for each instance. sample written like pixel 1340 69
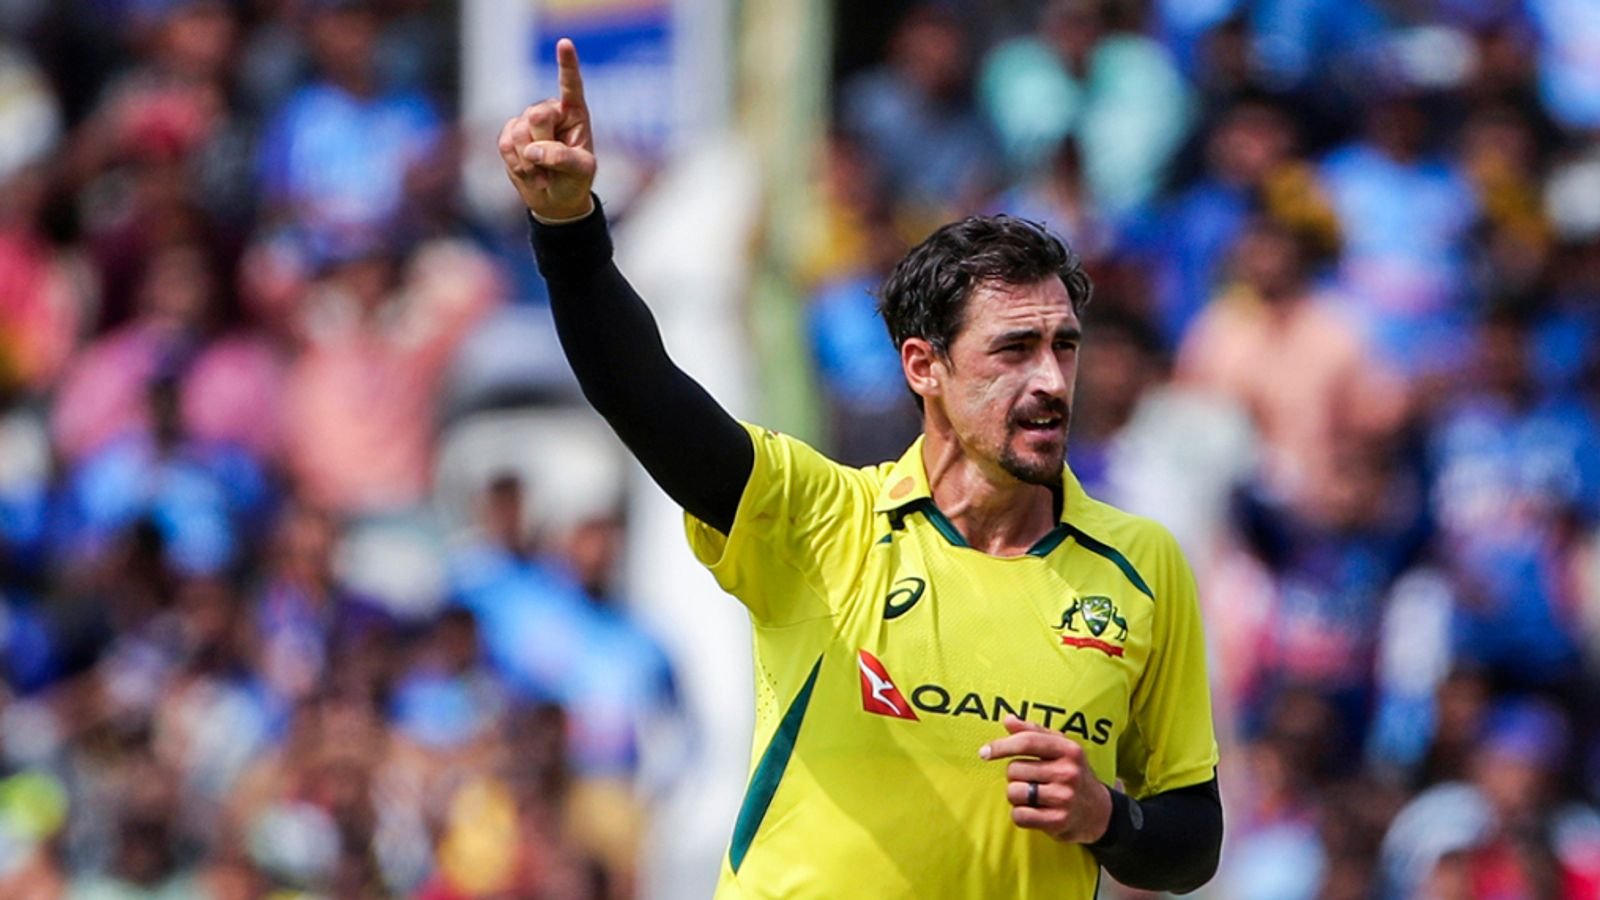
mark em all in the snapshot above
pixel 1042 422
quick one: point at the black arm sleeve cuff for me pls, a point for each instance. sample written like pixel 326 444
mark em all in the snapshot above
pixel 1169 842
pixel 701 456
pixel 1121 827
pixel 572 251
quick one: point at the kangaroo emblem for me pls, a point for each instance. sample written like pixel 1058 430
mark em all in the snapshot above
pixel 1099 612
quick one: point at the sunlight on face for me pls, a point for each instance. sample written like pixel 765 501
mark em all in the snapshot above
pixel 1008 382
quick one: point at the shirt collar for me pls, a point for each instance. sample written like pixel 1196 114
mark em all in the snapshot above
pixel 908 483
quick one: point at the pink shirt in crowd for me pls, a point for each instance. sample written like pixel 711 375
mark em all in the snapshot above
pixel 361 405
pixel 229 392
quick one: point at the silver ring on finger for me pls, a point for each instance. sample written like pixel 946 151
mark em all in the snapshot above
pixel 1033 793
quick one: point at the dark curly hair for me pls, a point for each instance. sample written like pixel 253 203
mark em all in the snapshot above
pixel 926 294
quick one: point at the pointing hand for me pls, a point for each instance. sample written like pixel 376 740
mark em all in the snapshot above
pixel 549 148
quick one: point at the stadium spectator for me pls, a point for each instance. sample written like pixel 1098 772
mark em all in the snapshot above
pixel 1113 89
pixel 358 405
pixel 42 288
pixel 914 117
pixel 862 390
pixel 228 385
pixel 207 499
pixel 175 104
pixel 1508 474
pixel 1499 154
pixel 336 159
pixel 633 698
pixel 1294 358
pixel 1128 363
pixel 1185 240
pixel 1333 555
pixel 1152 444
pixel 304 620
pixel 1405 215
pixel 1274 851
pixel 523 610
pixel 1058 196
pixel 1502 831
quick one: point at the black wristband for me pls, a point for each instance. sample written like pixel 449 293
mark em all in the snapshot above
pixel 1126 818
pixel 571 248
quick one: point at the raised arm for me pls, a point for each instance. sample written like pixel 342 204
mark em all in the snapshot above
pixel 699 454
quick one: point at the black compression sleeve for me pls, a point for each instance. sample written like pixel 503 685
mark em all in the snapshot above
pixel 699 454
pixel 1167 842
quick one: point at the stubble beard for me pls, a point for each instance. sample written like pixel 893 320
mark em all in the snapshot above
pixel 1044 471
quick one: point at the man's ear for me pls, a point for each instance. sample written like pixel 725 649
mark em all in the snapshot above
pixel 925 367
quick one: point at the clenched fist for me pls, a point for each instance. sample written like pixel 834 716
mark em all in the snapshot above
pixel 549 148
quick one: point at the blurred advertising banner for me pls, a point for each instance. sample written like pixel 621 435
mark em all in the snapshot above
pixel 626 47
pixel 654 71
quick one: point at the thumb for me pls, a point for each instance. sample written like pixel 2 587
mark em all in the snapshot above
pixel 559 157
pixel 1015 725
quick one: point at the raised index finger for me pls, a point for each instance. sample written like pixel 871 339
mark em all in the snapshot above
pixel 570 79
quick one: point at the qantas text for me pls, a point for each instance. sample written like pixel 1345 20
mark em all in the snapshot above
pixel 935 699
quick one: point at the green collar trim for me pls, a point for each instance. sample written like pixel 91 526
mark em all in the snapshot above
pixel 1114 555
pixel 940 522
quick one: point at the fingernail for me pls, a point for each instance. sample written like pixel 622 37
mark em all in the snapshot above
pixel 534 154
pixel 983 752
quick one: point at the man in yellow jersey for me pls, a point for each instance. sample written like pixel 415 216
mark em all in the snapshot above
pixel 958 654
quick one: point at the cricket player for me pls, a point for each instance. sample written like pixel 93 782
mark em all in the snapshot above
pixel 972 679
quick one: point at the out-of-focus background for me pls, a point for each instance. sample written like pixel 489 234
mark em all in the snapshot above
pixel 318 580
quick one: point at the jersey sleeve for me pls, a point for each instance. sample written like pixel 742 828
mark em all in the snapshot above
pixel 1171 743
pixel 800 534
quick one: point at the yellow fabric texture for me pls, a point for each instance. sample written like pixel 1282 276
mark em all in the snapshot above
pixel 856 569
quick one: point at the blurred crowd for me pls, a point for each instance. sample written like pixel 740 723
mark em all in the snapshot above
pixel 1345 343
pixel 243 652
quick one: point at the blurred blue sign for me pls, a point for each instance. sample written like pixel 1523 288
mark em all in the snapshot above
pixel 626 49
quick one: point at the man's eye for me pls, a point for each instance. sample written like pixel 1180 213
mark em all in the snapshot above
pixel 1066 345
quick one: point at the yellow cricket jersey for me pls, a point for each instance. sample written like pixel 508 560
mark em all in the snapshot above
pixel 887 651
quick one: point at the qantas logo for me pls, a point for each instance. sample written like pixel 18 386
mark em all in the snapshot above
pixel 880 696
pixel 878 693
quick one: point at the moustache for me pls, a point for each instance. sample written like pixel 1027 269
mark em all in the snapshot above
pixel 1042 410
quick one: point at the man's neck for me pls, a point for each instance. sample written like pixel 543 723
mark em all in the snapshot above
pixel 994 512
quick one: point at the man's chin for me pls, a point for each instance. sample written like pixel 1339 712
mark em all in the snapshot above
pixel 1034 468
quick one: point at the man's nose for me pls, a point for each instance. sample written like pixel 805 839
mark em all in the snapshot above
pixel 1050 378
